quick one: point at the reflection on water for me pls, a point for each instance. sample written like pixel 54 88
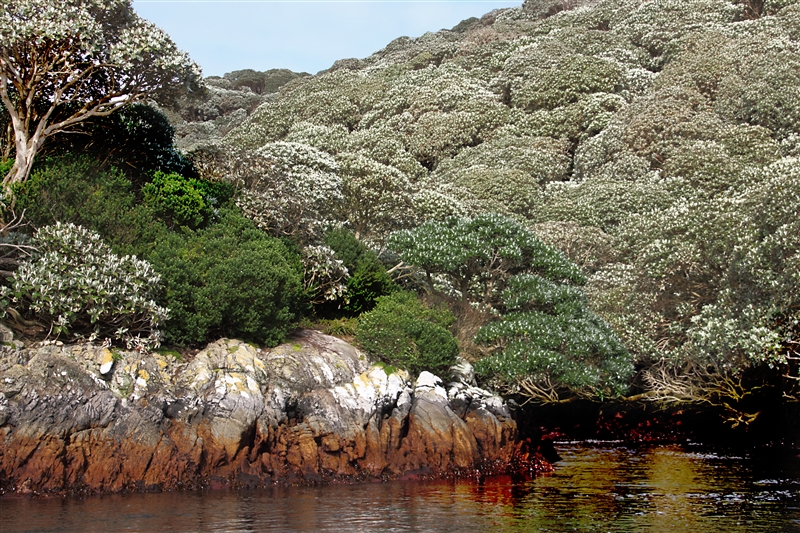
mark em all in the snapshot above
pixel 596 487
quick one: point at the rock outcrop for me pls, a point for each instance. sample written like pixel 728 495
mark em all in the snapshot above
pixel 84 418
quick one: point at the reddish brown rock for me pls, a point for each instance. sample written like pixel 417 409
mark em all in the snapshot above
pixel 311 410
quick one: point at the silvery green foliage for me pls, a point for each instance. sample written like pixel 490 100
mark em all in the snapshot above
pixel 221 109
pixel 549 340
pixel 62 63
pixel 545 335
pixel 657 26
pixel 440 201
pixel 754 314
pixel 330 139
pixel 223 104
pixel 292 189
pixel 588 247
pixel 546 8
pixel 76 285
pixel 478 255
pixel 376 198
pixel 637 125
pixel 386 146
pixel 339 97
pixel 506 173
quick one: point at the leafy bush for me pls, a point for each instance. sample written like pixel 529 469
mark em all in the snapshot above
pixel 77 189
pixel 75 284
pixel 403 332
pixel 477 255
pixel 229 279
pixel 80 190
pixel 368 278
pixel 551 341
pixel 174 198
pixel 184 201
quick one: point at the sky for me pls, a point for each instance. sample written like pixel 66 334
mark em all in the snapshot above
pixel 301 35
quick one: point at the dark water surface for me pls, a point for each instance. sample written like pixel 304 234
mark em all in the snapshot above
pixel 597 487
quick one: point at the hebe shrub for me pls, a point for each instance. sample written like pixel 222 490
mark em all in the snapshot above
pixel 230 279
pixel 75 284
pixel 403 332
pixel 181 201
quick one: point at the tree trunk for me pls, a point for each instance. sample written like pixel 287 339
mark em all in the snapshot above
pixel 8 141
pixel 23 163
pixel 26 149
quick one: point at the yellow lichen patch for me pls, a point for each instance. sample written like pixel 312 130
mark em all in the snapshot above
pixel 107 361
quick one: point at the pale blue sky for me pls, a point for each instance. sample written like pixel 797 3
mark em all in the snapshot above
pixel 226 35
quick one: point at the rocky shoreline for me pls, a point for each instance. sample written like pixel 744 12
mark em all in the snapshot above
pixel 86 419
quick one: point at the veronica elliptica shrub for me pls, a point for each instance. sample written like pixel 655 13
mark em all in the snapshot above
pixel 74 284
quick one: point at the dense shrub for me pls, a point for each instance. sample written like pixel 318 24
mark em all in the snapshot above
pixel 477 255
pixel 403 332
pixel 551 342
pixel 83 191
pixel 181 201
pixel 76 285
pixel 229 279
pixel 79 190
pixel 368 278
pixel 175 199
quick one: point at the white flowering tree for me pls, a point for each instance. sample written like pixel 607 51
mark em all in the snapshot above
pixel 377 198
pixel 62 63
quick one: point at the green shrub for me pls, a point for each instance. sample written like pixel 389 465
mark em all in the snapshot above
pixel 80 190
pixel 5 166
pixel 181 201
pixel 403 332
pixel 77 189
pixel 368 278
pixel 550 338
pixel 176 200
pixel 229 279
pixel 478 255
pixel 76 285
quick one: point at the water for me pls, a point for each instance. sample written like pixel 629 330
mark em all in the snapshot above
pixel 596 487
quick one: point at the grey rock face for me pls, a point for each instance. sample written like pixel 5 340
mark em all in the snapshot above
pixel 86 418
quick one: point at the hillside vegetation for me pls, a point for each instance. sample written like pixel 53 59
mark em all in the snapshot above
pixel 604 193
pixel 654 142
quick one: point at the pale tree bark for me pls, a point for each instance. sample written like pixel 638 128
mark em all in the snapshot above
pixel 63 63
pixel 31 126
